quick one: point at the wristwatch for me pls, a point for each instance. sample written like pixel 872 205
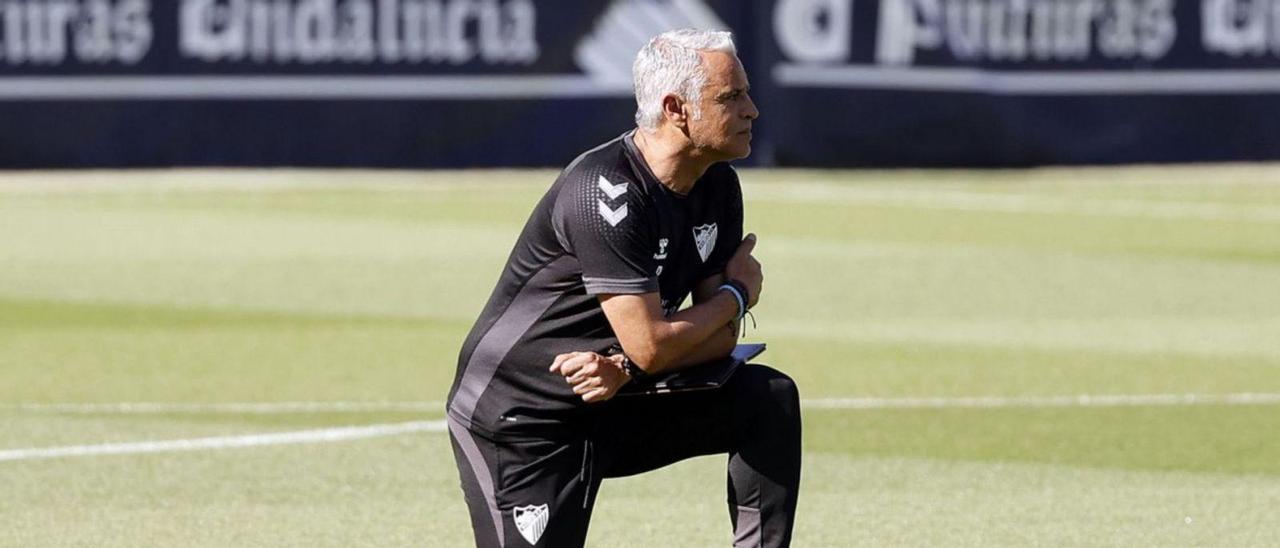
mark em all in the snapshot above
pixel 628 366
pixel 633 370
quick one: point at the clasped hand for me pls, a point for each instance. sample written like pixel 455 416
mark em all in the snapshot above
pixel 594 377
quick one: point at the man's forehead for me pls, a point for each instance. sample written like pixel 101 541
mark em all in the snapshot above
pixel 724 70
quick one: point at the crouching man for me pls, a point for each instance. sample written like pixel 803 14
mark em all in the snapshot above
pixel 590 300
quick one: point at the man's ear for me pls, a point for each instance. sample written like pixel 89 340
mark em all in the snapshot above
pixel 673 110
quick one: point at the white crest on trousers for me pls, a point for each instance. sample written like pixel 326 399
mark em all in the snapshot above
pixel 531 521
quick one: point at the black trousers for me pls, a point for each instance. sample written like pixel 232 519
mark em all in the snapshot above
pixel 534 491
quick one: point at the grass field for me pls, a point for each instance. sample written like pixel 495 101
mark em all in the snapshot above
pixel 191 290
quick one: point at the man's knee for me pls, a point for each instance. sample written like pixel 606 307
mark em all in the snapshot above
pixel 779 391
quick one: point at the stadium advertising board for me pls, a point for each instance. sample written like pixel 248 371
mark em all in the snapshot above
pixel 394 83
pixel 452 83
pixel 1016 82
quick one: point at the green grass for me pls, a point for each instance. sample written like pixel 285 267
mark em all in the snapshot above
pixel 281 286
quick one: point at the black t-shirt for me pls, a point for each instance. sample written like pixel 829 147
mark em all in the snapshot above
pixel 606 226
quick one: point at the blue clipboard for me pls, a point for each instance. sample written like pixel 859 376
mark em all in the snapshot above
pixel 705 376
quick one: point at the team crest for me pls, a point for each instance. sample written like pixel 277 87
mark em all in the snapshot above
pixel 531 521
pixel 705 237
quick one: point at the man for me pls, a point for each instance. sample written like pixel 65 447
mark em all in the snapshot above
pixel 608 256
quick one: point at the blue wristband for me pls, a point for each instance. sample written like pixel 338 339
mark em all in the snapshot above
pixel 742 303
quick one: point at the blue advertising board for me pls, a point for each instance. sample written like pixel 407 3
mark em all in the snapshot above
pixel 382 83
pixel 1024 82
pixel 461 83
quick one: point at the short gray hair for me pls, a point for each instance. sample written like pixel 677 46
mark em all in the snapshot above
pixel 670 63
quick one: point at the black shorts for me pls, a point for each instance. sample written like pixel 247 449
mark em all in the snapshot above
pixel 525 490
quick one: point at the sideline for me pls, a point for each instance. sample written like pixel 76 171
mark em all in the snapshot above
pixel 324 435
pixel 235 408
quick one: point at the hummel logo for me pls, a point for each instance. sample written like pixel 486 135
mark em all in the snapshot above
pixel 612 216
pixel 611 190
pixel 662 250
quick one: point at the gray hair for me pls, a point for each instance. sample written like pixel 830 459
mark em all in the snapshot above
pixel 670 63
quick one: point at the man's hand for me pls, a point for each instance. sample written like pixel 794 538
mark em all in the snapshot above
pixel 594 377
pixel 746 269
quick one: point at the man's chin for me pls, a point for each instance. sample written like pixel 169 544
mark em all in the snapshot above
pixel 742 147
pixel 729 152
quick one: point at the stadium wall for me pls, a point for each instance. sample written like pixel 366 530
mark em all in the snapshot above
pixel 466 83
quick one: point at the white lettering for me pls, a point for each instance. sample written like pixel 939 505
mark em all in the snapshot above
pixel 389 45
pixel 93 38
pixel 964 28
pixel 359 31
pixel 423 31
pixel 1073 29
pixel 14 50
pixel 456 15
pixel 1241 28
pixel 1018 30
pixel 133 30
pixel 1157 29
pixel 313 30
pixel 57 14
pixel 36 37
pixel 259 31
pixel 281 47
pixel 521 43
pixel 1007 30
pixel 355 32
pixel 52 32
pixel 219 33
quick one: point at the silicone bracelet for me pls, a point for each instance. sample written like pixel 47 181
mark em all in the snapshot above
pixel 737 295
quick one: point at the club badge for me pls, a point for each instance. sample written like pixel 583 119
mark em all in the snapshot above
pixel 531 521
pixel 705 237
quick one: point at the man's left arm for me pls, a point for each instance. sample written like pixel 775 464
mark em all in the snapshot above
pixel 722 342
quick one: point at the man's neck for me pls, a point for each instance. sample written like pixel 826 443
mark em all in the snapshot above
pixel 672 159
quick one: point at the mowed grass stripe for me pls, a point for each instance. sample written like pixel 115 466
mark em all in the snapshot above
pixel 255 262
pixel 946 199
pixel 285 496
pixel 1232 439
pixel 1151 335
pixel 916 368
pixel 854 403
pixel 1214 434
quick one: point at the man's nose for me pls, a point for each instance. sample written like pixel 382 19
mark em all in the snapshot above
pixel 751 112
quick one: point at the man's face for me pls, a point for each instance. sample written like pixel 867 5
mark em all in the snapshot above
pixel 724 131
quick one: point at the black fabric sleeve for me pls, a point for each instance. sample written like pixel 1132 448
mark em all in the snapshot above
pixel 730 196
pixel 608 224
